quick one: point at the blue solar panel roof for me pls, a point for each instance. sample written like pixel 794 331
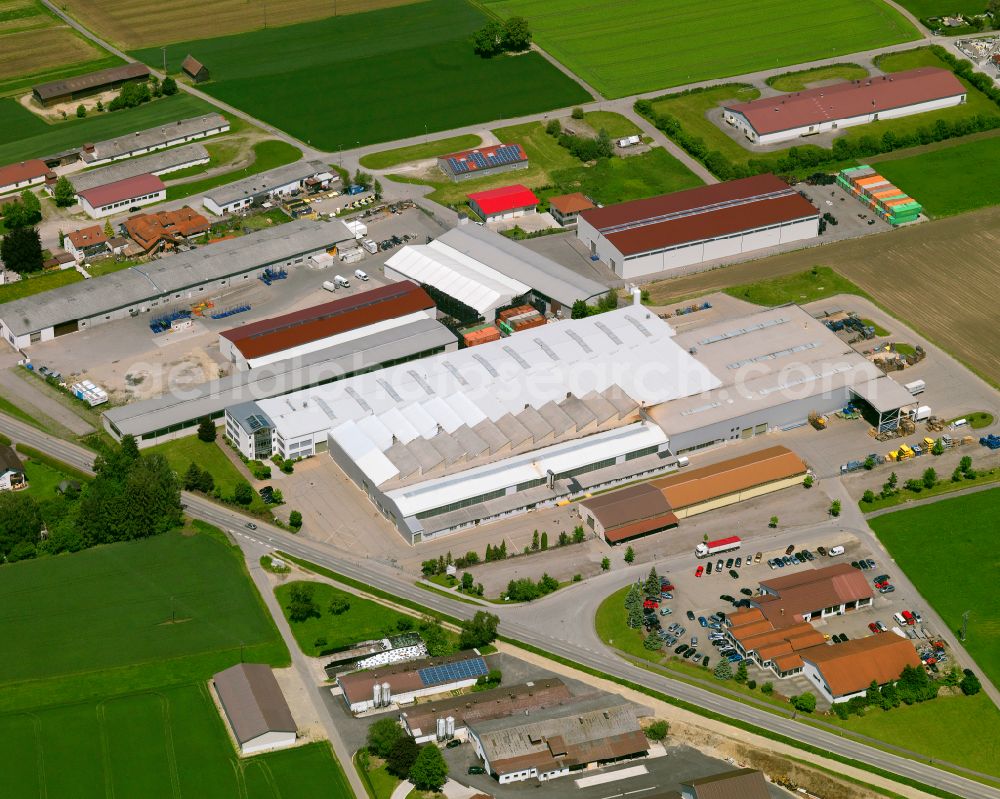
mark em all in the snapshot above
pixel 453 672
pixel 475 160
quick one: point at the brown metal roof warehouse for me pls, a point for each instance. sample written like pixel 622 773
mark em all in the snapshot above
pixel 71 88
pixel 255 706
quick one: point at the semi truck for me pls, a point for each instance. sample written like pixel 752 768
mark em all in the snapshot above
pixel 715 547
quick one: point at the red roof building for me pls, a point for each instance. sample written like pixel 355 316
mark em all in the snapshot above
pixel 723 220
pixel 116 197
pixel 17 177
pixel 507 202
pixel 86 242
pixel 165 227
pixel 278 337
pixel 789 116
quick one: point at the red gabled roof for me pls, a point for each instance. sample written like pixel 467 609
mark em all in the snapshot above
pixel 26 170
pixel 329 319
pixel 506 198
pixel 846 100
pixel 85 237
pixel 120 190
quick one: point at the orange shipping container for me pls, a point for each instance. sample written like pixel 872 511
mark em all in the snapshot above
pixel 525 324
pixel 481 336
pixel 507 313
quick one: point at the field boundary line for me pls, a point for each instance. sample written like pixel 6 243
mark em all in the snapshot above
pixel 36 723
pixel 168 740
pixel 102 723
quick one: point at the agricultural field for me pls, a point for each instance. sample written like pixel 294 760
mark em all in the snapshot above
pixel 24 135
pixel 553 170
pixel 922 9
pixel 797 81
pixel 418 76
pixel 913 537
pixel 35 44
pixel 930 176
pixel 623 49
pixel 416 152
pixel 143 23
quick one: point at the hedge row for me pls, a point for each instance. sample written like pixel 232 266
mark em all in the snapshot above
pixel 60 466
pixel 810 156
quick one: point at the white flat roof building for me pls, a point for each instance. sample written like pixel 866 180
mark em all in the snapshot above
pixel 281 180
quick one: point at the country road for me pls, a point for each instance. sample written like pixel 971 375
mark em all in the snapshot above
pixel 540 624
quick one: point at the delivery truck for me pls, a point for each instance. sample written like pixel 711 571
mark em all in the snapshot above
pixel 715 547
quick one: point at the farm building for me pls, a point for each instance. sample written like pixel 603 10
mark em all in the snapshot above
pixel 744 783
pixel 164 284
pixel 404 683
pixel 17 177
pixel 483 161
pixel 813 111
pixel 813 594
pixel 11 470
pixel 255 708
pixel 69 89
pixel 486 271
pixel 87 242
pixel 507 202
pixel 309 330
pixel 146 141
pixel 752 356
pixel 158 164
pixel 556 740
pixel 449 441
pixel 194 69
pixel 660 503
pixel 567 207
pixel 423 722
pixel 113 198
pixel 279 182
pixel 643 237
pixel 842 671
pixel 890 203
pixel 165 229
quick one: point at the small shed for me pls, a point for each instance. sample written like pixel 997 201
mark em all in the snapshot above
pixel 255 708
pixel 11 470
pixel 194 69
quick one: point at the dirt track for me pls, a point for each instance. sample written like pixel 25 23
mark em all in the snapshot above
pixel 940 277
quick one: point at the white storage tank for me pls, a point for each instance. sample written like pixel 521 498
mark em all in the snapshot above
pixel 377 695
pixel 386 695
pixel 442 729
pixel 450 726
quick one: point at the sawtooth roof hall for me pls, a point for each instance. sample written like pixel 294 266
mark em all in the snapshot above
pixel 658 234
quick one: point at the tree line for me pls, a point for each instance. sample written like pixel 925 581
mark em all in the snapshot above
pixel 495 38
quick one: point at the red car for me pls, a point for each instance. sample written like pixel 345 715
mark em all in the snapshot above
pixel 909 617
pixel 874 628
pixel 651 603
pixel 666 585
pixel 699 571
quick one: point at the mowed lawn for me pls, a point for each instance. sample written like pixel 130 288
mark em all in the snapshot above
pixel 379 76
pixel 24 135
pixel 643 45
pixel 129 615
pixel 948 550
pixel 363 621
pixel 939 8
pixel 417 152
pixel 931 177
pixel 166 743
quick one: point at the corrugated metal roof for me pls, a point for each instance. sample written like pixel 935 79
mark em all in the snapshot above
pixel 627 505
pixel 744 783
pixel 91 80
pixel 153 164
pixel 265 182
pixel 122 190
pixel 253 701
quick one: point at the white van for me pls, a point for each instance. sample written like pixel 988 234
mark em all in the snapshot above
pixel 329 285
pixel 898 617
pixel 342 281
pixel 370 246
pixel 683 461
pixel 360 275
pixel 834 551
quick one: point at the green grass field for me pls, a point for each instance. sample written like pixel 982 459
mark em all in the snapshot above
pixel 333 84
pixel 616 125
pixel 268 154
pixel 923 9
pixel 609 622
pixel 416 152
pixel 930 177
pixel 797 81
pixel 363 621
pixel 24 135
pixel 817 283
pixel 42 479
pixel 41 282
pixel 644 45
pixel 963 529
pixel 182 452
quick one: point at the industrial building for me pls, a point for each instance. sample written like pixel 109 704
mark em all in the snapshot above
pixel 161 163
pixel 743 783
pixel 18 177
pixel 450 717
pixel 828 108
pixel 463 437
pixel 483 161
pixel 278 182
pixel 659 504
pixel 658 234
pixel 373 654
pixel 487 271
pixel 113 198
pixel 255 708
pixel 770 646
pixel 813 594
pixel 165 229
pixel 69 89
pixel 150 140
pixel 506 202
pixel 842 671
pixel 775 367
pixel 164 283
pixel 557 740
pixel 404 683
pixel 309 330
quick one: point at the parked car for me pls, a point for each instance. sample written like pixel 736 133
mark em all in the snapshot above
pixel 690 653
pixel 666 585
pixel 881 627
pixel 795 559
pixel 720 615
pixel 771 564
pixel 734 574
pixel 870 564
pixel 741 603
pixel 699 571
pixel 874 627
pixel 790 549
pixel 665 611
pixel 453 744
pixel 708 567
pixel 821 550
pixel 917 617
pixel 669 640
pixel 882 578
pixel 809 555
pixel 681 649
pixel 746 592
pixel 251 526
pixel 887 590
pixel 786 560
pixel 729 563
pixel 666 595
pixel 726 598
pixel 734 658
pixel 703 621
pixel 690 615
pixel 757 557
pixel 739 562
pixel 718 565
pixel 694 640
pixel 476 770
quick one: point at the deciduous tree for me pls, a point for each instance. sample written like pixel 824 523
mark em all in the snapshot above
pixel 429 771
pixel 21 250
pixel 516 35
pixel 382 735
pixel 302 603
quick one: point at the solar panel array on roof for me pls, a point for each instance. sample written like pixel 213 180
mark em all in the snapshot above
pixel 452 672
pixel 487 158
pixel 256 422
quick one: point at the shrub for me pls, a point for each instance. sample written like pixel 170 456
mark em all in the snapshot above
pixel 970 684
pixel 767 688
pixel 805 702
pixel 577 113
pixel 577 578
pixel 339 605
pixel 605 564
pixel 723 671
pixel 81 111
pixel 807 481
pixel 751 684
pixel 658 730
pixel 243 493
pixel 629 555
pixel 295 520
pixel 868 497
pixel 841 711
pixel 835 508
pixel 553 128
